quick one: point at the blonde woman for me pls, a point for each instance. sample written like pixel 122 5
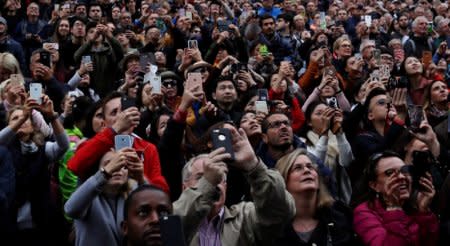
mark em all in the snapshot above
pixel 319 219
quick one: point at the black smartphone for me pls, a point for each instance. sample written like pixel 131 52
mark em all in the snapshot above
pixel 421 165
pixel 44 58
pixel 222 138
pixel 263 95
pixel 144 60
pixel 127 102
pixel 171 230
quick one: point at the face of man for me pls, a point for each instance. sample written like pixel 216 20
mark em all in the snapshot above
pixel 123 40
pixel 421 27
pixel 142 225
pixel 225 93
pixel 95 13
pixel 342 15
pixel 78 29
pixel 111 111
pixel 33 10
pixel 282 24
pixel 81 11
pixel 125 19
pixel 403 22
pixel 268 26
pixel 152 35
pixel 279 133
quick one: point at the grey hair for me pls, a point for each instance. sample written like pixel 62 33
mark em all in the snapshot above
pixel 187 169
pixel 414 23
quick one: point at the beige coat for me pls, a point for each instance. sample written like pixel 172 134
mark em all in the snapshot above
pixel 246 223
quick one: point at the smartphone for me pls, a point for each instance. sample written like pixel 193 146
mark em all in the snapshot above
pixel 147 78
pixel 194 80
pixel 261 106
pixel 86 59
pixel 332 102
pixel 222 138
pixel 182 12
pixel 368 20
pixel 189 15
pixel 376 54
pixel 50 46
pixel 415 113
pixel 192 44
pixel 156 84
pixel 122 141
pixel 57 7
pixel 421 165
pixel 127 102
pixel 263 50
pixel 427 57
pixel 36 92
pixel 15 79
pixel 329 71
pixel 263 95
pixel 222 26
pixel 45 58
pixel 171 230
pixel 144 60
pixel 323 22
pixel 430 27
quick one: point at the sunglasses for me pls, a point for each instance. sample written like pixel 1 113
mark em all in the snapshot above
pixel 405 170
pixel 169 83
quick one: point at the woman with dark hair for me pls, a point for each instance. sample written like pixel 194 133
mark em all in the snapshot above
pixel 326 140
pixel 414 72
pixel 436 102
pixel 383 215
pixel 62 32
pixel 94 120
pixel 319 219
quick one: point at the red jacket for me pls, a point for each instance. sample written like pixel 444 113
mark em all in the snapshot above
pixel 297 116
pixel 380 227
pixel 90 152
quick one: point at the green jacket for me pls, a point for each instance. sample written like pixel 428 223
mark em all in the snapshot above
pixel 246 223
pixel 68 181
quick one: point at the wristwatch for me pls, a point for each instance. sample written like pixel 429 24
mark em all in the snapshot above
pixel 105 173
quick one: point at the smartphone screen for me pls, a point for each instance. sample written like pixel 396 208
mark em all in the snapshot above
pixel 144 61
pixel 377 56
pixel 192 44
pixel 222 138
pixel 36 92
pixel 415 113
pixel 122 141
pixel 86 59
pixel 261 107
pixel 263 95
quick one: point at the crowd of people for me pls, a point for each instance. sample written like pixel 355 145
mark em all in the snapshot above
pixel 224 122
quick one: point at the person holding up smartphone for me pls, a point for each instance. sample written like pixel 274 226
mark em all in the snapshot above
pixel 204 198
pixel 117 121
pixel 95 211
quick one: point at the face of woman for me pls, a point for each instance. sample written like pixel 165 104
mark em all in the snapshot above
pixel 392 169
pixel 439 92
pixel 316 120
pixel 162 124
pixel 278 84
pixel 26 128
pixel 63 28
pixel 345 49
pixel 302 176
pixel 413 66
pixel 327 91
pixel 250 124
pixel 98 121
pixel 119 177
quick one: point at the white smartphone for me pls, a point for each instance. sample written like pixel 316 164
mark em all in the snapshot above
pixel 261 106
pixel 57 7
pixel 156 84
pixel 86 59
pixel 36 92
pixel 148 77
pixel 368 20
pixel 122 141
pixel 15 79
pixel 50 46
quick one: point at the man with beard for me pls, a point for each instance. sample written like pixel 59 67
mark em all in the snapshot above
pixel 272 39
pixel 142 210
pixel 403 29
pixel 278 139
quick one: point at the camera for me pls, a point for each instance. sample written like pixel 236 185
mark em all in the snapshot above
pixel 332 102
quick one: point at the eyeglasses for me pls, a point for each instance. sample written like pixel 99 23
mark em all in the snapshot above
pixel 278 123
pixel 200 70
pixel 405 170
pixel 169 83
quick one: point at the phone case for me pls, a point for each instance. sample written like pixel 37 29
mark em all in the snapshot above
pixel 171 231
pixel 222 138
pixel 36 92
pixel 127 103
pixel 263 95
pixel 261 106
pixel 194 79
pixel 156 84
pixel 122 141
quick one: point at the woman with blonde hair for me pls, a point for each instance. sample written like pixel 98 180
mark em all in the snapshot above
pixel 8 65
pixel 319 218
